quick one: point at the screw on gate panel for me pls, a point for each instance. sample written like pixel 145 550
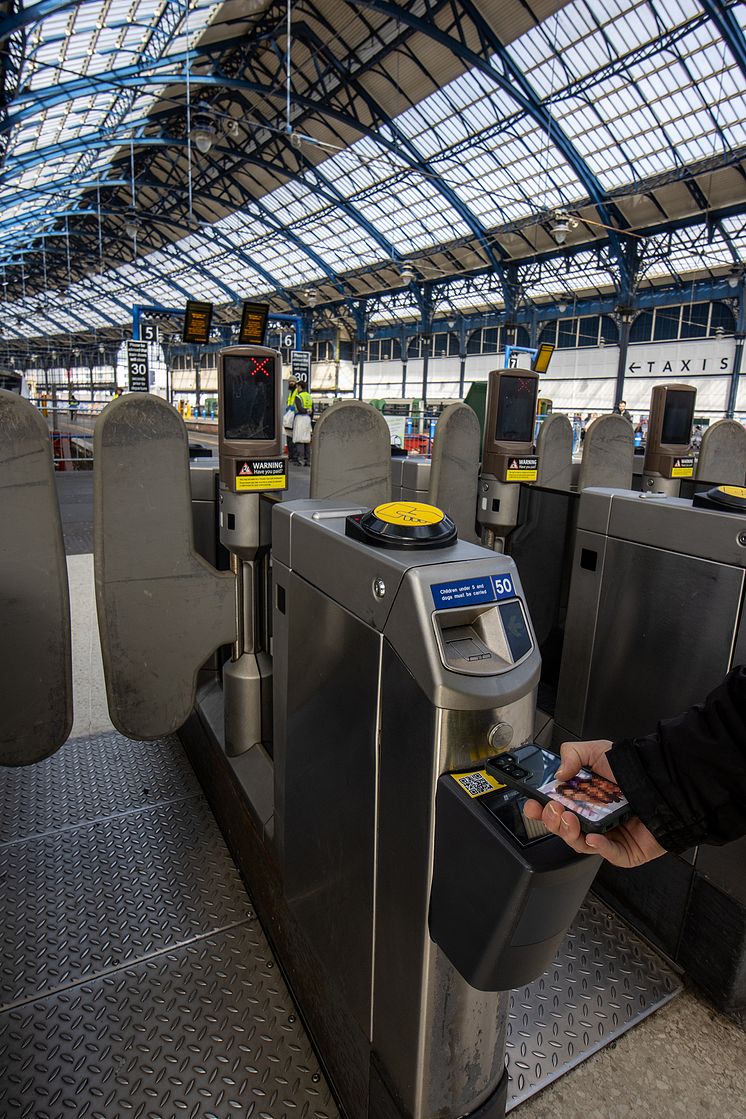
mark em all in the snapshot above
pixel 379 588
pixel 742 539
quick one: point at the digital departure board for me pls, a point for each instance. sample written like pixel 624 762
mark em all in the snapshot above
pixel 253 324
pixel 197 322
pixel 543 357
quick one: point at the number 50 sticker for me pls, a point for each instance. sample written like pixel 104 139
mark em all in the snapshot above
pixel 503 586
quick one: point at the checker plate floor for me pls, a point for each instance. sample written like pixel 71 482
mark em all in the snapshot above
pixel 604 979
pixel 136 981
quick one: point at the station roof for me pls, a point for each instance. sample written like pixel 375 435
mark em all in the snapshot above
pixel 312 152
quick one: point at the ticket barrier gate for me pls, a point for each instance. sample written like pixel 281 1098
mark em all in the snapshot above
pixel 661 581
pixel 380 737
pixel 162 609
pixel 402 659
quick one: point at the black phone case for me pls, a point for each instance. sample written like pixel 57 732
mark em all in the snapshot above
pixel 586 825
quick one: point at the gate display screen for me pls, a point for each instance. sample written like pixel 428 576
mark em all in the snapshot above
pixel 677 418
pixel 249 397
pixel 516 410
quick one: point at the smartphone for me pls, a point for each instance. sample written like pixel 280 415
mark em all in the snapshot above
pixel 598 803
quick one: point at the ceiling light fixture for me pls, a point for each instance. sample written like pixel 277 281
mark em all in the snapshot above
pixel 131 224
pixel 563 223
pixel 203 134
pixel 407 273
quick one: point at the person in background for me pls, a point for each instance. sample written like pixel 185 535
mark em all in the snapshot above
pixel 591 416
pixel 73 404
pixel 686 783
pixel 301 403
pixel 621 409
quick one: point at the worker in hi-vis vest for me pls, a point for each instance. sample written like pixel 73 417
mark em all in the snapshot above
pixel 298 423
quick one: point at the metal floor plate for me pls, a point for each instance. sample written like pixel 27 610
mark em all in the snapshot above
pixel 90 778
pixel 91 898
pixel 207 1031
pixel 604 980
pixel 134 979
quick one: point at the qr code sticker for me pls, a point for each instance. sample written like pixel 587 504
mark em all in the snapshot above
pixel 475 784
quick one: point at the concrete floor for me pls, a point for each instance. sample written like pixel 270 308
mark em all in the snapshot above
pixel 685 1059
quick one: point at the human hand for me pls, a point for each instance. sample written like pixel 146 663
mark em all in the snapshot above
pixel 631 844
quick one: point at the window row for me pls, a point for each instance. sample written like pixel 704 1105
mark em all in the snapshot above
pixel 662 324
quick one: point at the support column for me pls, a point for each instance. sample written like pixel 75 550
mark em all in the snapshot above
pixel 359 346
pixel 404 355
pixel 738 354
pixel 533 328
pixel 360 368
pixel 427 342
pixel 624 321
pixel 425 302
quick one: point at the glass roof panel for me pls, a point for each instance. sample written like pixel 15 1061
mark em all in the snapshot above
pixel 637 89
pixel 632 104
pixel 688 251
pixel 79 43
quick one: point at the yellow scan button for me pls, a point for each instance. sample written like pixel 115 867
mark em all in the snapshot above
pixel 477 783
pixel 734 491
pixel 408 513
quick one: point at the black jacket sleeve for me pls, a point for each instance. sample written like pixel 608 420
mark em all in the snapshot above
pixel 687 782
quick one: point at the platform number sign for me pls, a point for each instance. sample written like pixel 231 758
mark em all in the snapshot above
pixel 149 332
pixel 137 366
pixel 281 336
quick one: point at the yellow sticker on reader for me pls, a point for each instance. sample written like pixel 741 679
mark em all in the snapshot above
pixel 683 467
pixel 477 783
pixel 522 468
pixel 410 513
pixel 733 491
pixel 253 475
pixel 255 483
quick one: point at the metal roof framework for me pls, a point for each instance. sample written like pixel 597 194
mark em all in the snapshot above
pixel 444 136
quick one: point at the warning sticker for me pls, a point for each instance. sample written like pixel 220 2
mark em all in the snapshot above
pixel 682 467
pixel 258 475
pixel 523 469
pixel 478 783
pixel 408 513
